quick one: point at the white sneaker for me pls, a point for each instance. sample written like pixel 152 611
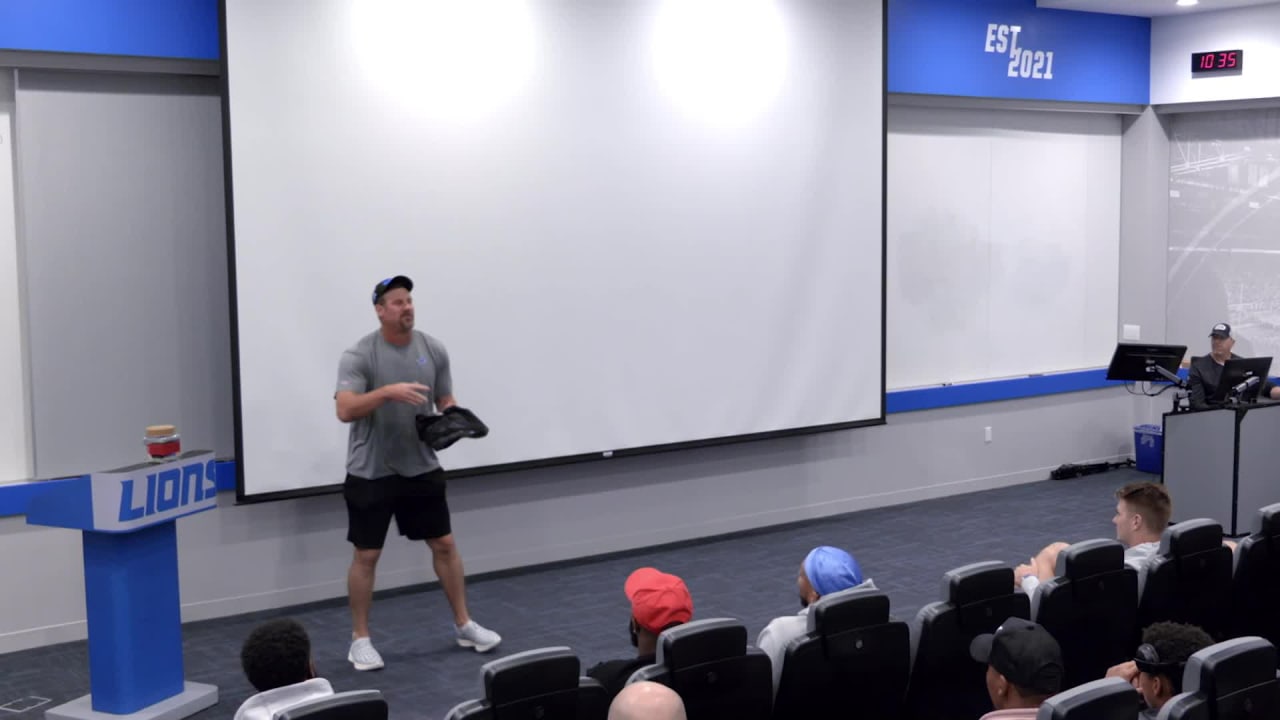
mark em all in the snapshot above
pixel 475 635
pixel 363 656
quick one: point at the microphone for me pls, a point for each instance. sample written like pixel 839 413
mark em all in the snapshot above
pixel 1250 382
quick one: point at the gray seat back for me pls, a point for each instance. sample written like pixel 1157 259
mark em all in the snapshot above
pixel 1106 699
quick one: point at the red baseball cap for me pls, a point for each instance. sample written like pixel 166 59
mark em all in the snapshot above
pixel 658 600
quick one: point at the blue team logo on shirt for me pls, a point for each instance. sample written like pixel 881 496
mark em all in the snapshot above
pixel 422 359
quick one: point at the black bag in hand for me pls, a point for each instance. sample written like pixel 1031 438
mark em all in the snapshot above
pixel 441 431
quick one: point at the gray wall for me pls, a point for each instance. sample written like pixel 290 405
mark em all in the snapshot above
pixel 250 557
pixel 1144 230
pixel 161 213
pixel 123 233
pixel 1144 223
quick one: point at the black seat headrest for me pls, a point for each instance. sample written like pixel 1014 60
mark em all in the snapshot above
pixel 1089 558
pixel 977 582
pixel 1191 536
pixel 1230 666
pixel 532 672
pixel 848 609
pixel 701 641
pixel 1268 523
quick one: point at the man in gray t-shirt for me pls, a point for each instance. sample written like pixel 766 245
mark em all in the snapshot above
pixel 385 442
pixel 386 380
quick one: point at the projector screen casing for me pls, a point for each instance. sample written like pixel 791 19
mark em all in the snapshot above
pixel 354 312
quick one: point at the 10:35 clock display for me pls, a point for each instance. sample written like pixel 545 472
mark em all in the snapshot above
pixel 1217 61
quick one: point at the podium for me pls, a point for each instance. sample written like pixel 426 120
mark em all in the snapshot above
pixel 1222 463
pixel 126 518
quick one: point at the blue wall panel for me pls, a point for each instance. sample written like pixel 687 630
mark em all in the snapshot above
pixel 186 29
pixel 1012 49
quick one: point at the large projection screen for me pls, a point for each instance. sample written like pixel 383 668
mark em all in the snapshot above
pixel 635 224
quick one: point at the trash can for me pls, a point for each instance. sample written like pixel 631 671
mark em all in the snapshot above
pixel 1148 448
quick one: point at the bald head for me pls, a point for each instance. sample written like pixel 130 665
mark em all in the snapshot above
pixel 647 701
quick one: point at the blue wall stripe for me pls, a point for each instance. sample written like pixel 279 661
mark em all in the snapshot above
pixel 145 28
pixel 226 475
pixel 14 497
pixel 929 398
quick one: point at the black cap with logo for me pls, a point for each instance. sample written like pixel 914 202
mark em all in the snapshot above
pixel 1025 653
pixel 383 287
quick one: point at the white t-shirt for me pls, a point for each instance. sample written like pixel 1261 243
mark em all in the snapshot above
pixel 1138 557
pixel 265 705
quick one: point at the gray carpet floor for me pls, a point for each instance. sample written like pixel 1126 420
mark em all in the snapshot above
pixel 749 576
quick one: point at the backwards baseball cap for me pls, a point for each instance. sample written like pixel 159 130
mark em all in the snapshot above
pixel 1221 330
pixel 658 600
pixel 831 570
pixel 399 281
pixel 1025 653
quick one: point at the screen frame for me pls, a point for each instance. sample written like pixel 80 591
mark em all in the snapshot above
pixel 242 497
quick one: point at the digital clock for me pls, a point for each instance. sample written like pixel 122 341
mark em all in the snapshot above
pixel 1217 61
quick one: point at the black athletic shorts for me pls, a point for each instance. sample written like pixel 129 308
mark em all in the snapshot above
pixel 418 504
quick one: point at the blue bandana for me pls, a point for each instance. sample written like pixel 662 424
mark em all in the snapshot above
pixel 831 570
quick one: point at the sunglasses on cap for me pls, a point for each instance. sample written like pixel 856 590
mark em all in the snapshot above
pixel 381 288
pixel 1148 661
pixel 392 282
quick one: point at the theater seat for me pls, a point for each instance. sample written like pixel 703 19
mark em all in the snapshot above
pixel 852 643
pixel 946 684
pixel 1091 609
pixel 1106 699
pixel 354 705
pixel 1255 586
pixel 544 684
pixel 707 662
pixel 1190 580
pixel 1233 680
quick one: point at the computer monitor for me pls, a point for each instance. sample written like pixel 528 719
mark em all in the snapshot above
pixel 1146 363
pixel 1237 371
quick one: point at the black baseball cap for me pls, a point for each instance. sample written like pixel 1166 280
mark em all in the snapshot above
pixel 1025 653
pixel 399 281
pixel 1221 330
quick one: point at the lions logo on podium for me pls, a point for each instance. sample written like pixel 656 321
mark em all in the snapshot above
pixel 149 493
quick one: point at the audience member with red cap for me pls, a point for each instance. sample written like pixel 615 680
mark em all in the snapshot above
pixel 825 570
pixel 658 601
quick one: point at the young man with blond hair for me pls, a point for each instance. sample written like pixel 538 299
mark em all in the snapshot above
pixel 1143 510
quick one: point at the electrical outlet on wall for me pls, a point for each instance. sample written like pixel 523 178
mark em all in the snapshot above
pixel 1132 332
pixel 987 431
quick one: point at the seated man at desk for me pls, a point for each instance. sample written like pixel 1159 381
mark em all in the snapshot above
pixel 1206 372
